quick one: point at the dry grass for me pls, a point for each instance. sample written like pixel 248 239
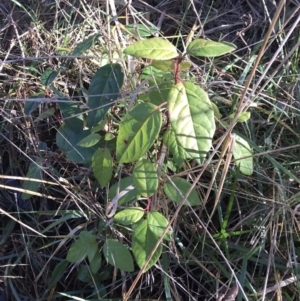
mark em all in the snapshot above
pixel 260 246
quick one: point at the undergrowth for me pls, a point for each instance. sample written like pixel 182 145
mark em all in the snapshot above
pixel 68 227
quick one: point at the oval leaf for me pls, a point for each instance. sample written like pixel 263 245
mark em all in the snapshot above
pixel 138 131
pixel 178 152
pixel 104 89
pixel 30 106
pixel 129 216
pixel 76 252
pixel 242 149
pixel 89 140
pixel 85 44
pixel 201 47
pixel 118 255
pixel 192 119
pixel 102 165
pixel 142 30
pixel 145 177
pixel 143 242
pixel 243 116
pixel 57 273
pixel 157 224
pixel 48 76
pixel 170 65
pixel 120 186
pixel 155 48
pixel 177 190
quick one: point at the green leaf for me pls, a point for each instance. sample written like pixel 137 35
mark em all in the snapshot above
pixel 177 191
pixel 157 224
pixel 143 242
pixel 30 106
pixel 129 216
pixel 67 141
pixel 145 177
pixel 170 65
pixel 192 119
pixel 48 77
pixel 121 185
pixel 34 172
pixel 142 30
pixel 244 116
pixel 155 48
pixel 102 165
pixel 76 252
pixel 89 140
pixel 70 112
pixel 242 149
pixel 217 113
pixel 58 273
pixel 109 136
pixel 45 114
pixel 89 241
pixel 85 44
pixel 118 255
pixel 95 264
pixel 201 47
pixel 178 151
pixel 138 131
pixel 104 89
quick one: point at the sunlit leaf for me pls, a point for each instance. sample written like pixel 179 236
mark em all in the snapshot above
pixel 192 119
pixel 143 242
pixel 206 48
pixel 89 140
pixel 157 224
pixel 142 30
pixel 155 48
pixel 129 216
pixel 242 150
pixel 244 116
pixel 137 132
pixel 145 177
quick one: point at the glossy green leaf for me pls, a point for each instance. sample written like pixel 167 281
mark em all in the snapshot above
pixel 244 116
pixel 157 224
pixel 142 30
pixel 170 65
pixel 201 47
pixel 34 172
pixel 129 216
pixel 145 177
pixel 30 106
pixel 178 152
pixel 104 89
pixel 48 77
pixel 58 273
pixel 89 140
pixel 120 186
pixel 137 132
pixel 241 150
pixel 102 165
pixel 192 119
pixel 68 141
pixel 86 44
pixel 177 190
pixel 118 255
pixel 155 48
pixel 143 242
